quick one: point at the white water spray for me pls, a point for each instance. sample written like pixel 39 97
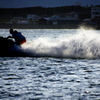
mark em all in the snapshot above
pixel 82 44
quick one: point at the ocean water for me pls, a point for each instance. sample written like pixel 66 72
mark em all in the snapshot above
pixel 64 64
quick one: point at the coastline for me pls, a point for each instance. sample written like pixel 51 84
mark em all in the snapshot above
pixel 46 26
pixel 37 26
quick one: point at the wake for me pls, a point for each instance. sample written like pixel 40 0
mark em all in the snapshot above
pixel 83 44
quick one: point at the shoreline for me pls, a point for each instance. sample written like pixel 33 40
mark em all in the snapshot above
pixel 37 26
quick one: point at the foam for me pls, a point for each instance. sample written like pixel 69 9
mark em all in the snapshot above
pixel 82 44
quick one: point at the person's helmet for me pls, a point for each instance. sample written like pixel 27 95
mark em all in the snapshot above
pixel 11 31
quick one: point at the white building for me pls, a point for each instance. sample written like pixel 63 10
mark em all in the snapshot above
pixel 19 20
pixel 95 12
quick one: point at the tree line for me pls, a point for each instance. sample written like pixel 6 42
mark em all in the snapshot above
pixel 22 12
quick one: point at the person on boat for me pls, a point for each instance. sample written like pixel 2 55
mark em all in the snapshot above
pixel 19 38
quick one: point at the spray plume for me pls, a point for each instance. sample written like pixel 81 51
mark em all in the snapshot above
pixel 83 44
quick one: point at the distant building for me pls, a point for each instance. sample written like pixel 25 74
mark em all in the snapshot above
pixel 55 19
pixel 23 22
pixel 32 17
pixel 19 20
pixel 59 20
pixel 95 12
pixel 72 16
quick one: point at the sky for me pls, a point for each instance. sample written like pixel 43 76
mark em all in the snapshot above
pixel 44 3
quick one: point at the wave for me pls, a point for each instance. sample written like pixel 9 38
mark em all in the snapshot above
pixel 82 44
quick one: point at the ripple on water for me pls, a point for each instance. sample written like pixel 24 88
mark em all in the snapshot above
pixel 49 78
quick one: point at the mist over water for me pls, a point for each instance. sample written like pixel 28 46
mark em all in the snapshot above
pixel 83 43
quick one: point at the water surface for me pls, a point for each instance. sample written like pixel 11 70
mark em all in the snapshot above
pixel 55 75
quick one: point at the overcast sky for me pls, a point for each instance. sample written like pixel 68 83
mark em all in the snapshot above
pixel 44 3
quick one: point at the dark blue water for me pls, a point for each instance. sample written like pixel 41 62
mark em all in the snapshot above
pixel 61 76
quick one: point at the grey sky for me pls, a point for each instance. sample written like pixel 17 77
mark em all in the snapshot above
pixel 44 3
